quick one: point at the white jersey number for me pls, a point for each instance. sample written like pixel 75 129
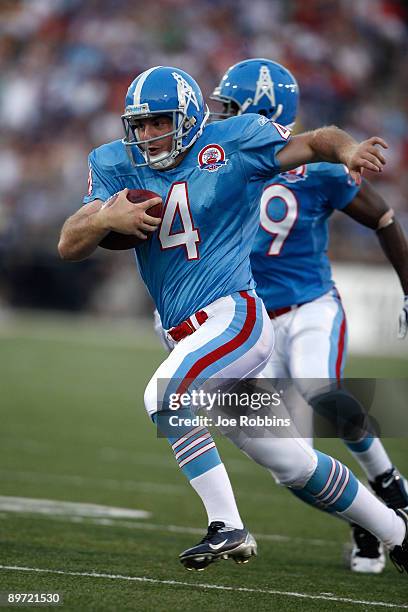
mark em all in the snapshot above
pixel 178 204
pixel 279 229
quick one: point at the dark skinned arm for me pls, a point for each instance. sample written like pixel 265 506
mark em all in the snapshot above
pixel 367 208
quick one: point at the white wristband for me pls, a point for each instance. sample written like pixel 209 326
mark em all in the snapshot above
pixel 385 220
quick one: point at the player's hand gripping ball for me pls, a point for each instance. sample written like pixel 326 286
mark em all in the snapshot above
pixel 114 241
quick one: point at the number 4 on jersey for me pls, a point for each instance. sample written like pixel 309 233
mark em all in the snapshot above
pixel 178 204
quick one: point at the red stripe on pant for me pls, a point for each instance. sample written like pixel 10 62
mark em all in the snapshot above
pixel 223 350
pixel 340 348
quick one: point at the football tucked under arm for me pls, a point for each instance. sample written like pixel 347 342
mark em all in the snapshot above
pixel 115 241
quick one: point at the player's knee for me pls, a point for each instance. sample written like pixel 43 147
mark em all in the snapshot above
pixel 295 467
pixel 291 461
pixel 342 415
pixel 292 472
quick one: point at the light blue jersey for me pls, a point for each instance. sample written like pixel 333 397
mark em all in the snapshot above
pixel 201 252
pixel 289 258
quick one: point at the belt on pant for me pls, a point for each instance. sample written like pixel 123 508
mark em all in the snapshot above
pixel 273 314
pixel 188 327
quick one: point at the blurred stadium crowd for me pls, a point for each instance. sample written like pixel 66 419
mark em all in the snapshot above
pixel 65 67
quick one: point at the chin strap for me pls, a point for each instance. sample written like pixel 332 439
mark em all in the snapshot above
pixel 162 164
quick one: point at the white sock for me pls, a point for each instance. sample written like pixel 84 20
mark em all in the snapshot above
pixel 375 460
pixel 369 512
pixel 215 490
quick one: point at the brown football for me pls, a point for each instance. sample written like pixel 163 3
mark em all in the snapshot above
pixel 121 242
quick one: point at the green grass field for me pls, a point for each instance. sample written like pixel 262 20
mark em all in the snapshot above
pixel 73 428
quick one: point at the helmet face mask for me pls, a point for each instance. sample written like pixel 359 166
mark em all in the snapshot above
pixel 260 86
pixel 230 109
pixel 164 159
pixel 170 92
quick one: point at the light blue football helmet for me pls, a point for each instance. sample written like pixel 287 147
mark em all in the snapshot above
pixel 164 90
pixel 259 86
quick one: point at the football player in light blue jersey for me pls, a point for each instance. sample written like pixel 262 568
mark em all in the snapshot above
pixel 293 274
pixel 197 270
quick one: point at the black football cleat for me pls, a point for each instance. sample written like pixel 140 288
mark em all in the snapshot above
pixel 392 488
pixel 399 554
pixel 367 555
pixel 221 542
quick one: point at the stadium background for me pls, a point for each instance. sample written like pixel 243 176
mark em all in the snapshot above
pixel 76 346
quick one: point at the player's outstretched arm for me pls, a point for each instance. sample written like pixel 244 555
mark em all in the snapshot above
pixel 83 231
pixel 333 145
pixel 369 209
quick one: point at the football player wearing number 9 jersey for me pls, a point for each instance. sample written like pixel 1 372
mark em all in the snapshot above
pixel 290 265
pixel 197 270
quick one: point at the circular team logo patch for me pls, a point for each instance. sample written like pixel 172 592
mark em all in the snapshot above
pixel 211 158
